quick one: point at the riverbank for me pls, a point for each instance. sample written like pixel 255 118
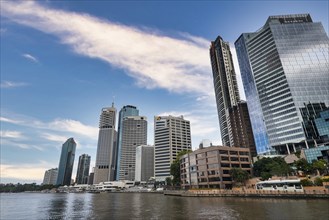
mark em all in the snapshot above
pixel 321 194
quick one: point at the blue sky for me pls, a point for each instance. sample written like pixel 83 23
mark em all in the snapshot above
pixel 62 61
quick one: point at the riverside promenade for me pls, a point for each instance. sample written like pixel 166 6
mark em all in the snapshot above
pixel 307 193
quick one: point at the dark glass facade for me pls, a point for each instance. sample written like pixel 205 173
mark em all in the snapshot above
pixel 66 162
pixel 83 169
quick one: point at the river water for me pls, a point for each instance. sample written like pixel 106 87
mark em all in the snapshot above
pixel 155 206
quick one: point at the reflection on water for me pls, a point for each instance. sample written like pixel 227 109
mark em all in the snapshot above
pixel 155 206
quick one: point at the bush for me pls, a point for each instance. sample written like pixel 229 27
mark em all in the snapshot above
pixel 306 182
pixel 318 181
pixel 325 179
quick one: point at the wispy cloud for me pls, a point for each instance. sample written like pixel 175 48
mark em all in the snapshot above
pixel 59 125
pixel 11 134
pixel 54 137
pixel 30 57
pixel 10 84
pixel 152 59
pixel 7 142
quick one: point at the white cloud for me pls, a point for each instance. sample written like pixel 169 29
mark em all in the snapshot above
pixel 24 172
pixel 30 57
pixel 6 142
pixel 54 137
pixel 10 84
pixel 237 71
pixel 11 134
pixel 59 125
pixel 153 60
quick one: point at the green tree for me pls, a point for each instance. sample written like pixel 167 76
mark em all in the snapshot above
pixel 239 175
pixel 175 167
pixel 268 167
pixel 320 166
pixel 306 182
pixel 318 181
pixel 304 166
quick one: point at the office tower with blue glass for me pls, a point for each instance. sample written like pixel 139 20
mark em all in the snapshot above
pixel 83 169
pixel 234 121
pixel 284 66
pixel 106 147
pixel 66 162
pixel 127 110
pixel 134 134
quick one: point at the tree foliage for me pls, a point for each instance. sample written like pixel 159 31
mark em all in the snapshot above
pixel 268 167
pixel 304 166
pixel 175 167
pixel 23 187
pixel 320 165
pixel 239 175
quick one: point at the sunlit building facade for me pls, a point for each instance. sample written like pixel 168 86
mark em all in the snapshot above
pixel 283 66
pixel 171 136
pixel 134 134
pixel 127 110
pixel 106 148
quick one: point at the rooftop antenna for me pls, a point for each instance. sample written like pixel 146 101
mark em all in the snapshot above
pixel 113 97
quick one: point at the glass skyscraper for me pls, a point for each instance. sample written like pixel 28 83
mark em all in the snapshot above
pixel 83 169
pixel 66 162
pixel 127 110
pixel 284 65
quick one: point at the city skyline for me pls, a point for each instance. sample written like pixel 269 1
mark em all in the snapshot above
pixel 55 80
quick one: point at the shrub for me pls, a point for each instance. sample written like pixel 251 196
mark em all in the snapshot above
pixel 318 181
pixel 306 182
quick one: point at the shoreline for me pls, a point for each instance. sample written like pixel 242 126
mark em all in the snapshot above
pixel 249 194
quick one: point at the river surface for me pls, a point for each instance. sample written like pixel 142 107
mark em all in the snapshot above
pixel 155 206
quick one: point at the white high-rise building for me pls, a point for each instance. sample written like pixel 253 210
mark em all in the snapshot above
pixel 50 177
pixel 171 135
pixel 134 134
pixel 144 167
pixel 106 148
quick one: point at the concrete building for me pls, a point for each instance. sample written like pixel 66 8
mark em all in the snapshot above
pixel 234 121
pixel 50 177
pixel 127 110
pixel 283 65
pixel 210 167
pixel 83 169
pixel 171 135
pixel 106 147
pixel 134 134
pixel 144 167
pixel 66 162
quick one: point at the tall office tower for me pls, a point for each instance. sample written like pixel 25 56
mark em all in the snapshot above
pixel 66 162
pixel 144 167
pixel 283 66
pixel 233 114
pixel 50 177
pixel 171 136
pixel 225 84
pixel 106 147
pixel 134 134
pixel 127 110
pixel 83 169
